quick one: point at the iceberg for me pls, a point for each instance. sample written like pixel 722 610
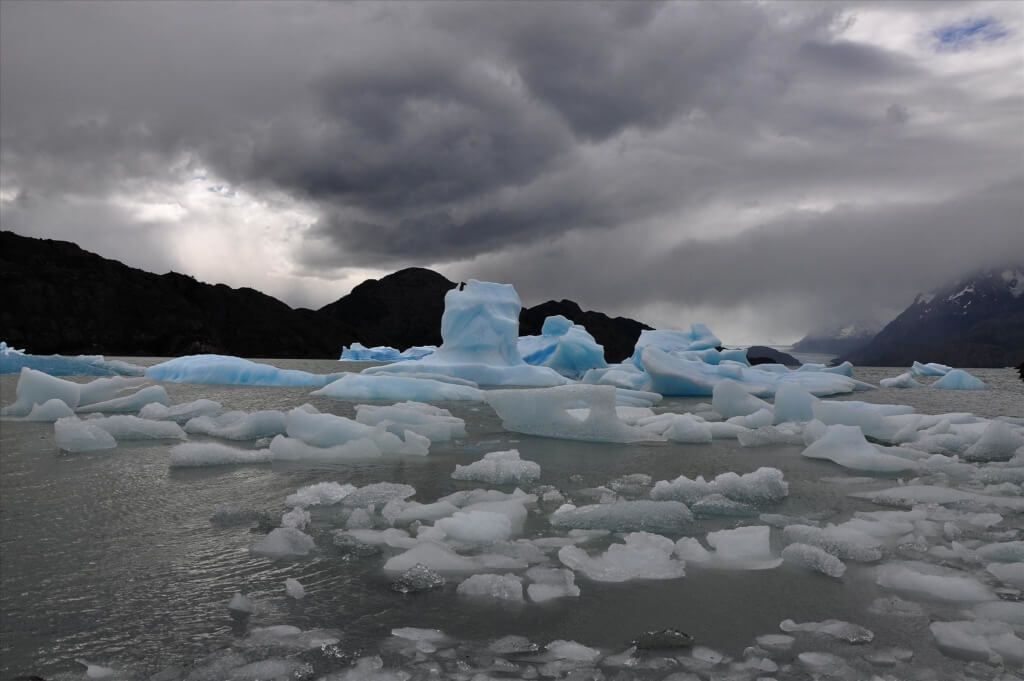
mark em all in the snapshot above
pixel 238 425
pixel 283 542
pixel 479 329
pixel 49 411
pixel 74 435
pixel 742 548
pixel 328 430
pixel 357 352
pixel 36 387
pixel 929 369
pixel 958 379
pixel 431 422
pixel 495 587
pixel 642 556
pixel 230 370
pixel 385 387
pixel 699 337
pixel 932 581
pixel 124 427
pixel 563 346
pixel 548 412
pixel 813 558
pixel 134 402
pixel 180 413
pixel 763 486
pixel 670 517
pixel 499 468
pixel 12 361
pixel 730 399
pixel 904 380
pixel 846 446
pixel 550 583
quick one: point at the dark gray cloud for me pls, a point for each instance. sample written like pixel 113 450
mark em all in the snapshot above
pixel 529 141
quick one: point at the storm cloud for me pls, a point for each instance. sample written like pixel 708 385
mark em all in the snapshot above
pixel 823 162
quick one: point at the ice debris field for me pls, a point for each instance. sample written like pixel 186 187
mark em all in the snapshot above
pixel 937 533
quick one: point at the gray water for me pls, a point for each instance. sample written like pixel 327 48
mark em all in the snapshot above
pixel 112 556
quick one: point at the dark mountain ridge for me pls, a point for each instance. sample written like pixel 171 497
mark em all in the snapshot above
pixel 977 321
pixel 60 298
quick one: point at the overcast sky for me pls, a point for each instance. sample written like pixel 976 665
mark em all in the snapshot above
pixel 765 168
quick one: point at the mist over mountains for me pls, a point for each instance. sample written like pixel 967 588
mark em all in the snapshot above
pixel 63 299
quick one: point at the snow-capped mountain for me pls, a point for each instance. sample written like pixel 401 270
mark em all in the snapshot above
pixel 838 340
pixel 977 321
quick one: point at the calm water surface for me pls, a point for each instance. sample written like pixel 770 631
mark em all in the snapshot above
pixel 112 556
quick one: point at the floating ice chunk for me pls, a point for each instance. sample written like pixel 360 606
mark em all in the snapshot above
pixel 416 579
pixel 718 504
pixel 475 527
pixel 793 403
pixel 283 542
pixel 133 402
pixel 782 434
pixel 929 369
pixel 642 556
pixel 377 494
pixel 35 387
pixel 992 642
pixel 293 589
pixel 13 361
pixel 730 399
pixel 436 557
pixel 241 604
pixel 124 427
pixel 376 386
pixel 550 583
pixel 96 671
pixel 998 442
pixel 1009 573
pixel 229 370
pixel 813 558
pixel 49 411
pixel 292 449
pixel 297 517
pixel 844 631
pixel 926 494
pixel 685 428
pixel 759 419
pixel 75 435
pixel 496 587
pixel 775 642
pixel 846 446
pixel 399 512
pixel 743 548
pixel 327 430
pixel 238 425
pixel 321 493
pixel 180 413
pixel 571 650
pixel 432 422
pixel 1002 552
pixel 1010 612
pixel 383 353
pixel 499 468
pixel 392 537
pixel 765 485
pixel 943 584
pixel 546 412
pixel 842 542
pixel 626 516
pixel 958 379
pixel 289 638
pixel 904 380
pixel 214 454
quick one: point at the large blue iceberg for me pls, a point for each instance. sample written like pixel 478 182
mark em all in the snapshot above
pixel 357 352
pixel 228 370
pixel 563 346
pixel 480 330
pixel 12 361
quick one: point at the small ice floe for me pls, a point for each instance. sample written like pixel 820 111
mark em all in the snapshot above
pixel 192 454
pixel 499 468
pixel 844 631
pixel 416 579
pixel 294 589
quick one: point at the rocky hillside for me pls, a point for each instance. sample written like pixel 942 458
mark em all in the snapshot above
pixel 59 298
pixel 837 341
pixel 977 321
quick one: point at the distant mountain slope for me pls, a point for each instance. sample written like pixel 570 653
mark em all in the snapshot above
pixel 401 310
pixel 59 298
pixel 837 341
pixel 617 334
pixel 977 321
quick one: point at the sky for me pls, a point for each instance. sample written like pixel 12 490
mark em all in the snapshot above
pixel 766 168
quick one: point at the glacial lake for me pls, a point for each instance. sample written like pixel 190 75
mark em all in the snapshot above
pixel 112 557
